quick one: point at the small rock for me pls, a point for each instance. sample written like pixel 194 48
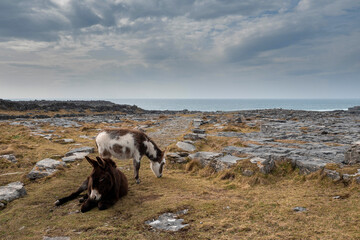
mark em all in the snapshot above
pixel 265 165
pixel 334 175
pixel 198 122
pixel 186 146
pixel 12 191
pixel 198 130
pixel 299 209
pixel 75 156
pixel 9 157
pixel 82 149
pixel 176 157
pixel 195 136
pixel 247 173
pixel 65 140
pixel 56 238
pixel 168 222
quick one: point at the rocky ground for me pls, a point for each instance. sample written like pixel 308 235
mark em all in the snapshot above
pixel 234 146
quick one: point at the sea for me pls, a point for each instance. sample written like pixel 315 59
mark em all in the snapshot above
pixel 240 104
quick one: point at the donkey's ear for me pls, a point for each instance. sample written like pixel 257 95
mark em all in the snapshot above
pixel 101 162
pixel 92 162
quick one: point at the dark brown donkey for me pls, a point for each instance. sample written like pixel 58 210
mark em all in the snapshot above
pixel 105 186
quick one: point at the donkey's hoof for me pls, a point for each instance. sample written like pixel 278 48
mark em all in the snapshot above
pixel 57 203
pixel 137 181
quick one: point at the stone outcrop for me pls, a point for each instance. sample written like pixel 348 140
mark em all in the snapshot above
pixel 11 192
pixel 44 168
pixel 352 155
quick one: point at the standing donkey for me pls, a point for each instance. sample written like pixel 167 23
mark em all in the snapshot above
pixel 125 144
pixel 106 184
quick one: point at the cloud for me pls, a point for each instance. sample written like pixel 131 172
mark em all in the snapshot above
pixel 188 41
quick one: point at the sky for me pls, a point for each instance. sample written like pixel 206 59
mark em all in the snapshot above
pixel 89 49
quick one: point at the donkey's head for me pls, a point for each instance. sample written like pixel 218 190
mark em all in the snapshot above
pixel 101 179
pixel 157 166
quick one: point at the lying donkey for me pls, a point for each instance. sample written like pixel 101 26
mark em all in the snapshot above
pixel 105 186
pixel 125 144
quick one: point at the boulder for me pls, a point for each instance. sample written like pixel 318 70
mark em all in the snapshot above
pixel 44 168
pixel 352 155
pixel 12 191
pixel 265 165
pixel 186 146
pixel 9 157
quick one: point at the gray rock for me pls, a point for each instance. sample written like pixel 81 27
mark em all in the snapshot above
pixel 247 173
pixel 198 122
pixel 186 146
pixel 65 140
pixel 299 209
pixel 267 129
pixel 9 157
pixel 352 155
pixel 44 168
pixel 198 130
pixel 75 156
pixel 168 222
pixel 334 175
pixel 12 191
pixel 308 166
pixel 176 157
pixel 195 136
pixel 230 159
pixel 205 155
pixel 82 149
pixel 56 238
pixel 265 165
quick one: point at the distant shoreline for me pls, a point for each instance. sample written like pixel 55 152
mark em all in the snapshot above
pixel 181 105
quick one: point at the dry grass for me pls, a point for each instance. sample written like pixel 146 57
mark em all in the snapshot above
pixel 223 205
pixel 290 141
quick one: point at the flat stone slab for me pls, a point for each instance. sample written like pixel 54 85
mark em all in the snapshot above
pixel 186 146
pixel 230 159
pixel 195 136
pixel 12 191
pixel 168 221
pixel 44 168
pixel 74 157
pixel 56 238
pixel 82 149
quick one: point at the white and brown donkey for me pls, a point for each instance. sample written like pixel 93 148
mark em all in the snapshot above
pixel 125 144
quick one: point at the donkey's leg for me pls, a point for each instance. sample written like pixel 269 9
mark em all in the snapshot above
pixel 88 205
pixel 83 199
pixel 102 205
pixel 136 163
pixel 72 196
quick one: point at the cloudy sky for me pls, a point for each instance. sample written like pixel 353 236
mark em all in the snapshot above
pixel 179 49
